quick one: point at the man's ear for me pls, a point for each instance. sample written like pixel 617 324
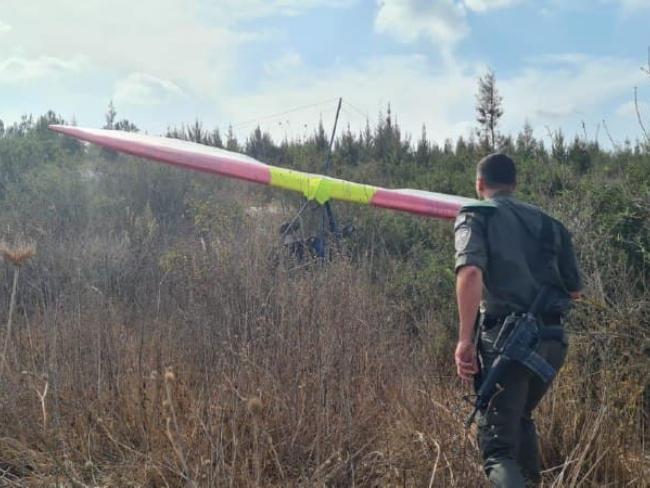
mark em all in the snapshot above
pixel 480 186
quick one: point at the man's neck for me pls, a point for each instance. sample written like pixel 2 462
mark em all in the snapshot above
pixel 501 192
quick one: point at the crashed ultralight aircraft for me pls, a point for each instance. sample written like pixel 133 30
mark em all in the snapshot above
pixel 314 187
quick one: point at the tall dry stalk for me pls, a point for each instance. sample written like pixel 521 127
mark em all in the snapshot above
pixel 17 255
pixel 12 304
pixel 172 422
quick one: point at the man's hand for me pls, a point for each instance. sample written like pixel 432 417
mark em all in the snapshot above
pixel 466 362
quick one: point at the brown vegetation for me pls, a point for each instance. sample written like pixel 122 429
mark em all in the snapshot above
pixel 159 338
pixel 250 373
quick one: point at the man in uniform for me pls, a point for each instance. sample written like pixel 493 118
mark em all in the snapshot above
pixel 506 251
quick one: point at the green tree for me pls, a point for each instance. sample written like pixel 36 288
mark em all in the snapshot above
pixel 126 126
pixel 320 138
pixel 109 116
pixel 488 111
pixel 260 145
pixel 231 141
pixel 578 154
pixel 214 138
pixel 423 150
pixel 348 149
pixel 558 146
pixel 196 133
pixel 526 143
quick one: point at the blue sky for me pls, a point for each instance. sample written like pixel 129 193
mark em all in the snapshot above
pixel 167 62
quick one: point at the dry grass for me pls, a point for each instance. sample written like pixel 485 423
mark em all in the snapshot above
pixel 242 372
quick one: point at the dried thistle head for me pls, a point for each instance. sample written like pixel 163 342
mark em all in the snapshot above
pixel 254 406
pixel 19 253
pixel 169 374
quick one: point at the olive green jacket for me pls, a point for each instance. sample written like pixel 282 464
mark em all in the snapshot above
pixel 503 237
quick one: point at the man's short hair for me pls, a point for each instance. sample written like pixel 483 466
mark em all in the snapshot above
pixel 497 170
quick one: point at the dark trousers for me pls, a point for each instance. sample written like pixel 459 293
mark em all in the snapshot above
pixel 507 435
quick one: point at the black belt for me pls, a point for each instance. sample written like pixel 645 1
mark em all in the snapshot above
pixel 490 321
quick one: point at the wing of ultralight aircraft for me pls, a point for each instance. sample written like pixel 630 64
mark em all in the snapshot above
pixel 314 187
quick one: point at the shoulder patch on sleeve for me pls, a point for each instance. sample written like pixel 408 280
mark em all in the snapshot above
pixel 461 238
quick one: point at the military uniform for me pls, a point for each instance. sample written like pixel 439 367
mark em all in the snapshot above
pixel 507 240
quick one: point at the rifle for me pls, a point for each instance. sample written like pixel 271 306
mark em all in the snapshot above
pixel 518 338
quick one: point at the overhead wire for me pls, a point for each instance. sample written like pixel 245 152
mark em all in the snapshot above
pixel 280 114
pixel 352 115
pixel 358 110
pixel 350 109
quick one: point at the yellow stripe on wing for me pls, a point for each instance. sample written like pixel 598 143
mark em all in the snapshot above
pixel 321 188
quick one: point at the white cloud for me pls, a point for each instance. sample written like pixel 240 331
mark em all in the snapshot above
pixel 17 69
pixel 441 21
pixel 287 63
pixel 485 5
pixel 144 89
pixel 4 27
pixel 193 44
pixel 165 38
pixel 569 90
pixel 263 8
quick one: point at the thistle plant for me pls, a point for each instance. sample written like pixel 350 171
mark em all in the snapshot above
pixel 17 255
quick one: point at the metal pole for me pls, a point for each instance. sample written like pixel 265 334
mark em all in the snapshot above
pixel 328 158
pixel 328 219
